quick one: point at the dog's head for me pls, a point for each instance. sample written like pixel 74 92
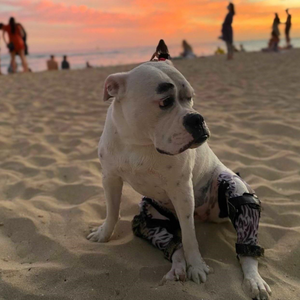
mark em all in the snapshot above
pixel 153 104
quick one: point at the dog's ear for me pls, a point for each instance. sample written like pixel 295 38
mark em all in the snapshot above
pixel 115 86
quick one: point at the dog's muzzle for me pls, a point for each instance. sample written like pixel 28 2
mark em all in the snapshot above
pixel 195 125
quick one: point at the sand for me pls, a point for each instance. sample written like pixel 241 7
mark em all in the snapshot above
pixel 51 193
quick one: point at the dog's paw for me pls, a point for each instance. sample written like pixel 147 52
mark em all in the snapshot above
pixel 198 272
pixel 178 270
pixel 256 287
pixel 99 235
pixel 177 273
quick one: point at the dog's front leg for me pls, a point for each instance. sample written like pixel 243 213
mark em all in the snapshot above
pixel 184 204
pixel 113 190
pixel 253 285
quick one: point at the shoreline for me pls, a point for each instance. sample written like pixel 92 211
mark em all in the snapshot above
pixel 174 60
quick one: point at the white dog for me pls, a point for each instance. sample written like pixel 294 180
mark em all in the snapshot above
pixel 154 140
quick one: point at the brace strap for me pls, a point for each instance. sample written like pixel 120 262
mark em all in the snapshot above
pixel 249 250
pixel 222 199
pixel 234 204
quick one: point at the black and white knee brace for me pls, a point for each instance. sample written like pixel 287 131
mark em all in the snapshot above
pixel 243 211
pixel 159 226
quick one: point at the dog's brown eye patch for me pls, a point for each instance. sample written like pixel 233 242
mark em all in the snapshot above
pixel 164 87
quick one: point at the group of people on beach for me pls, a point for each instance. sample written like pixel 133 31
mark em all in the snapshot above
pixel 227 32
pixel 15 38
pixel 52 64
pixel 275 34
pixel 162 52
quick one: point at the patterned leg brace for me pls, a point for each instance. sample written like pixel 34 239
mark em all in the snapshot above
pixel 243 209
pixel 159 226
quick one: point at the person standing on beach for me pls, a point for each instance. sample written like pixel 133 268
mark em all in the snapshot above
pixel 162 51
pixel 288 25
pixel 227 31
pixel 65 64
pixel 15 43
pixel 275 26
pixel 52 64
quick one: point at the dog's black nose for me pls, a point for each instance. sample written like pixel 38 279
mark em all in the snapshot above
pixel 193 121
pixel 195 125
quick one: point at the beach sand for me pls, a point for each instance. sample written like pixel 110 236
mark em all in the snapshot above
pixel 51 193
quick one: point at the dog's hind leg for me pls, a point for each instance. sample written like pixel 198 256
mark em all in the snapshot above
pixel 161 228
pixel 178 270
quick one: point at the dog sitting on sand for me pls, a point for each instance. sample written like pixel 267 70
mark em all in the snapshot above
pixel 154 140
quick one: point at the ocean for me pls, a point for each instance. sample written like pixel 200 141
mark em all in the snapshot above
pixel 118 56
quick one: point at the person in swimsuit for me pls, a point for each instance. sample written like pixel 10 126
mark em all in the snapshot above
pixel 16 43
pixel 227 32
pixel 162 52
pixel 288 25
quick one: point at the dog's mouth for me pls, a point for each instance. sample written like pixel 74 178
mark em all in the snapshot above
pixel 199 141
pixel 195 143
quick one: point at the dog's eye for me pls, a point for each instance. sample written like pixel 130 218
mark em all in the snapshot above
pixel 166 103
pixel 189 98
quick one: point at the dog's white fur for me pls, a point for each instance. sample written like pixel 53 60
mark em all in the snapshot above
pixel 135 128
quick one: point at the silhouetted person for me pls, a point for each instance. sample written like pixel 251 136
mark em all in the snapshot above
pixel 275 26
pixel 52 64
pixel 88 65
pixel 162 51
pixel 65 64
pixel 15 44
pixel 187 50
pixel 227 31
pixel 288 25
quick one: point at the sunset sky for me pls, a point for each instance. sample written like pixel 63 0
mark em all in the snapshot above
pixel 87 24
